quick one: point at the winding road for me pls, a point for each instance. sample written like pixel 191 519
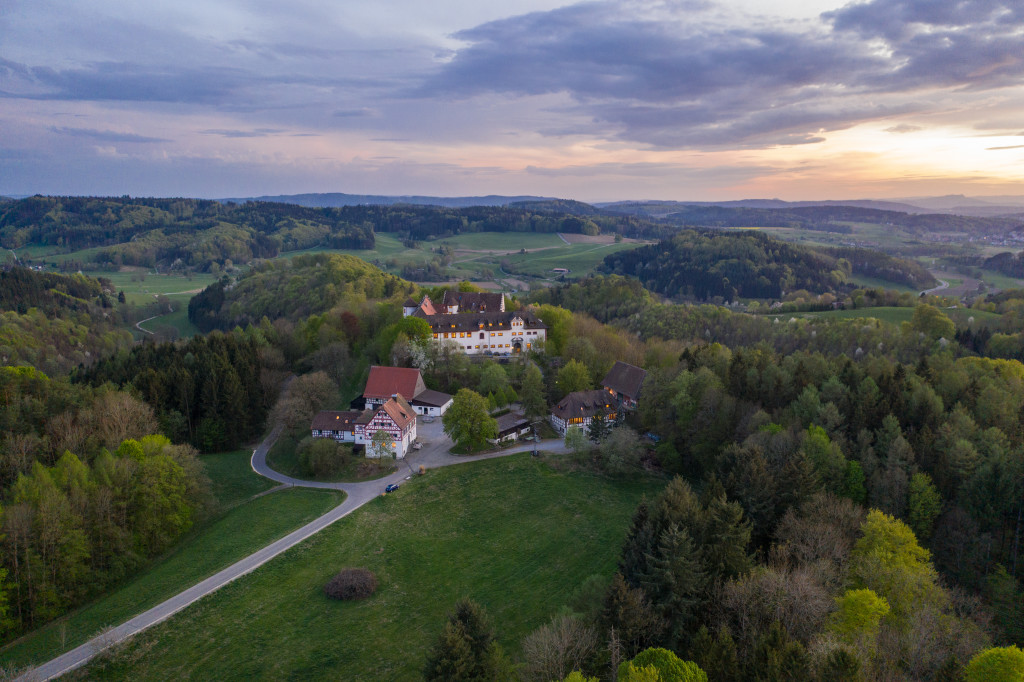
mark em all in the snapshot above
pixel 434 454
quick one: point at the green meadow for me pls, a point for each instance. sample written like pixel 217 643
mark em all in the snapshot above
pixel 240 525
pixel 514 534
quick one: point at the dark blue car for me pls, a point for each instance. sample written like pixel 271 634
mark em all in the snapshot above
pixel 391 487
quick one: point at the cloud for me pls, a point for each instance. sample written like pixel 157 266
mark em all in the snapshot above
pixel 1015 146
pixel 679 76
pixel 258 132
pixel 106 135
pixel 904 128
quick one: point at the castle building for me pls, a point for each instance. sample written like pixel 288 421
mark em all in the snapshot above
pixel 478 324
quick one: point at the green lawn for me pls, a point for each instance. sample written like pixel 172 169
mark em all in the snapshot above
pixel 240 527
pixel 510 533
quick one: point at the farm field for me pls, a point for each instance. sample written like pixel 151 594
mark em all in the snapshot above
pixel 239 526
pixel 513 534
pixel 478 255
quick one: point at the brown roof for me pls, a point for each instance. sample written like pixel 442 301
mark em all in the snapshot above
pixel 329 420
pixel 460 322
pixel 410 303
pixel 584 404
pixel 385 382
pixel 473 302
pixel 511 421
pixel 399 410
pixel 431 398
pixel 625 379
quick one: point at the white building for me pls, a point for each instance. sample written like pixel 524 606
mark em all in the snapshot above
pixel 480 325
pixel 395 417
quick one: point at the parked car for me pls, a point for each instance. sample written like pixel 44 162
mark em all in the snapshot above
pixel 417 445
pixel 428 420
pixel 391 487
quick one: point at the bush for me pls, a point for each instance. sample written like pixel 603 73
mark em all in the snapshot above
pixel 351 583
pixel 322 457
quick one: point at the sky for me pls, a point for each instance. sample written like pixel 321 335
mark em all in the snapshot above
pixel 595 101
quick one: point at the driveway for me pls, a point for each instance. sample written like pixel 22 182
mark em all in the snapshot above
pixel 433 454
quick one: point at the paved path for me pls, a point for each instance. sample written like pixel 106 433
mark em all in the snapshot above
pixel 434 454
pixel 943 284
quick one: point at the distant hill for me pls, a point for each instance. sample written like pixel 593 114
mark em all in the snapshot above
pixel 337 199
pixel 993 206
pixel 672 206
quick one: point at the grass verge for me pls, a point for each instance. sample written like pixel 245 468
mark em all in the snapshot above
pixel 246 526
pixel 510 533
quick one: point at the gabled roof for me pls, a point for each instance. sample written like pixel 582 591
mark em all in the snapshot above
pixel 584 404
pixel 462 322
pixel 330 420
pixel 511 421
pixel 473 302
pixel 410 303
pixel 432 398
pixel 399 410
pixel 385 382
pixel 625 379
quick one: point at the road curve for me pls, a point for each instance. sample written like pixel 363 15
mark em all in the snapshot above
pixel 432 455
pixel 943 284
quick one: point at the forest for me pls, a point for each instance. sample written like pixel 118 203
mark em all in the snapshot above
pixel 844 498
pixel 57 322
pixel 706 264
pixel 196 234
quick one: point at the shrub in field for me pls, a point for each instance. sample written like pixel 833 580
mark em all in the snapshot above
pixel 351 583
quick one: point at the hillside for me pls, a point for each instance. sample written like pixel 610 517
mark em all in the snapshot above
pixel 202 235
pixel 293 289
pixel 703 264
pixel 57 322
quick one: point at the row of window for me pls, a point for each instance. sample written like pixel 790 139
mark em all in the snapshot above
pixel 469 335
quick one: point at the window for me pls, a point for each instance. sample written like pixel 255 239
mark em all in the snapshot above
pixel 492 333
pixel 435 336
pixel 481 335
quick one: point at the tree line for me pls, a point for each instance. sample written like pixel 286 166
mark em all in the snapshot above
pixel 705 264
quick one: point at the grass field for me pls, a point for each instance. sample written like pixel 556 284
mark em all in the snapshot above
pixel 511 533
pixel 1001 281
pixel 546 251
pixel 875 283
pixel 240 526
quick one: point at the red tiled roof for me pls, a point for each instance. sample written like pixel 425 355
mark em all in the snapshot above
pixel 385 382
pixel 400 411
